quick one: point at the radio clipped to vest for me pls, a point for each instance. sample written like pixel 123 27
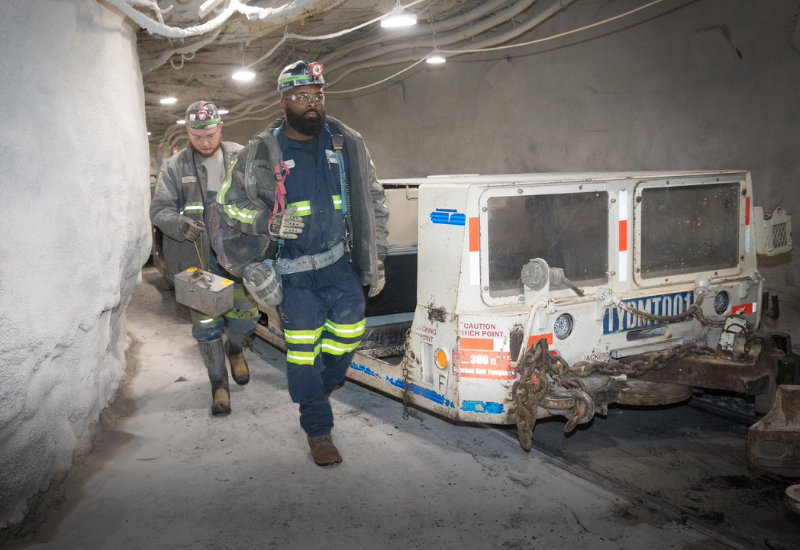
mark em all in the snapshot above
pixel 337 143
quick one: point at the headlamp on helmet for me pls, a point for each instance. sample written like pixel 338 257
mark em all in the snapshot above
pixel 301 73
pixel 202 115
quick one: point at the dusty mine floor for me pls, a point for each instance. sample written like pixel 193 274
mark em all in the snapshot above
pixel 688 458
pixel 162 473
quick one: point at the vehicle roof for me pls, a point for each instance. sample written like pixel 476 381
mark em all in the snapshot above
pixel 554 177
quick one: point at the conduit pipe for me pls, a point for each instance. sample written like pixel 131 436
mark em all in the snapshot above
pixel 246 108
pixel 526 27
pixel 285 13
pixel 419 30
pixel 442 39
pixel 149 65
pixel 330 36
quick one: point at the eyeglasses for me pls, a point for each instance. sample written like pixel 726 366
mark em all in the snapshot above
pixel 303 98
pixel 206 137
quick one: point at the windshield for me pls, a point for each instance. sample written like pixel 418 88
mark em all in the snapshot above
pixel 689 228
pixel 566 230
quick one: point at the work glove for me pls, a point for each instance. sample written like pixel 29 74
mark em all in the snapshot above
pixel 378 287
pixel 192 229
pixel 282 226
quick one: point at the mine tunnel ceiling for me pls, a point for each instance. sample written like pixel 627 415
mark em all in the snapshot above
pixel 206 73
pixel 200 66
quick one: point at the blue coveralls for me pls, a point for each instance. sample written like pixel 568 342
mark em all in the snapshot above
pixel 323 310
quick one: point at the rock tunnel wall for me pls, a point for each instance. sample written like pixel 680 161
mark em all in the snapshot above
pixel 711 85
pixel 74 173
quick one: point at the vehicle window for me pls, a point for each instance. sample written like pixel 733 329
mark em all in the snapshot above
pixel 689 229
pixel 569 231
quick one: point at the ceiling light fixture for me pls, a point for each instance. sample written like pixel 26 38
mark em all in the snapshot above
pixel 223 111
pixel 243 75
pixel 168 100
pixel 181 121
pixel 398 18
pixel 435 58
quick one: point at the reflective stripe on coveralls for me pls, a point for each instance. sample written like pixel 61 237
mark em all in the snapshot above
pixel 303 208
pixel 192 207
pixel 323 328
pixel 241 214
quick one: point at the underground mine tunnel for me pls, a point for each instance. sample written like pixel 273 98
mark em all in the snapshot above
pixel 548 243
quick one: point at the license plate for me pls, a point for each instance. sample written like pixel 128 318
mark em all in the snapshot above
pixel 617 319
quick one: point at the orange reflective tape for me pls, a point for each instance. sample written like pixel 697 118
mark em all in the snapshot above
pixel 548 337
pixel 623 235
pixel 477 343
pixel 747 211
pixel 474 235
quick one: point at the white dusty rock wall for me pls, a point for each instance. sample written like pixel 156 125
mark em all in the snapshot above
pixel 713 85
pixel 75 232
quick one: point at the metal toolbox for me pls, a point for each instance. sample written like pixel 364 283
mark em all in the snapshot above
pixel 204 291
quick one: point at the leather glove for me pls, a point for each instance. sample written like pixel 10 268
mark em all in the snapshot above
pixel 192 229
pixel 283 226
pixel 377 288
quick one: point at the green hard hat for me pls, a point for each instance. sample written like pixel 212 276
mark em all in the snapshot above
pixel 202 115
pixel 300 73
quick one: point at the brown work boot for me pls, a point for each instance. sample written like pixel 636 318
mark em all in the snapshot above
pixel 239 370
pixel 323 451
pixel 222 402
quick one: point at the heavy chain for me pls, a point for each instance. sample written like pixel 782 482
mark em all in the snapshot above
pixel 529 389
pixel 639 367
pixel 406 353
pixel 540 370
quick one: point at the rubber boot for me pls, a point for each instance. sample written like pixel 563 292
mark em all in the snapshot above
pixel 239 370
pixel 323 451
pixel 214 358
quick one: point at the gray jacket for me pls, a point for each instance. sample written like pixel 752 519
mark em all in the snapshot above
pixel 180 194
pixel 243 200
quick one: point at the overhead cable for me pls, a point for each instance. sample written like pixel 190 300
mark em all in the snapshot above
pixel 235 6
pixel 604 21
pixel 654 2
pixel 380 81
pixel 325 36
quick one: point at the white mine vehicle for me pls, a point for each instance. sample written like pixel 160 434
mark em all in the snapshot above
pixel 516 297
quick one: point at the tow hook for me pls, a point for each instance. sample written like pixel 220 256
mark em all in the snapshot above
pixel 771 312
pixel 582 412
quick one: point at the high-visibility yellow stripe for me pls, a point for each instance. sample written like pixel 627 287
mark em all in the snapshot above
pixel 240 214
pixel 303 208
pixel 192 207
pixel 205 321
pixel 234 313
pixel 345 331
pixel 302 336
pixel 332 347
pixel 337 202
pixel 302 357
pixel 226 184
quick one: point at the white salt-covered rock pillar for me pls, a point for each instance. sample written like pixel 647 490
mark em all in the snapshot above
pixel 74 189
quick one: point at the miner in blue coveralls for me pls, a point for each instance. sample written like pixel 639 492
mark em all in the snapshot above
pixel 327 241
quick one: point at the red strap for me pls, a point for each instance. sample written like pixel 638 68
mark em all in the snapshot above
pixel 281 171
